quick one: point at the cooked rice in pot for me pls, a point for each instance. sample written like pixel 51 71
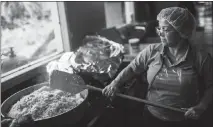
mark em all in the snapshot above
pixel 45 103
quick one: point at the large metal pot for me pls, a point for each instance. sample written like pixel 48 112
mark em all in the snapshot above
pixel 69 117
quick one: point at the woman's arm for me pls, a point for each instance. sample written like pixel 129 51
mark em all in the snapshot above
pixel 138 65
pixel 207 73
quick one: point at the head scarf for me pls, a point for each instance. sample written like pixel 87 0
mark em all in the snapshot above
pixel 181 19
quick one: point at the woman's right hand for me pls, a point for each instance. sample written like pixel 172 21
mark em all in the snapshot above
pixel 110 90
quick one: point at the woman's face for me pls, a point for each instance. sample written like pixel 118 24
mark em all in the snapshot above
pixel 168 35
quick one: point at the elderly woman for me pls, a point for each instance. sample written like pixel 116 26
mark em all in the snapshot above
pixel 178 74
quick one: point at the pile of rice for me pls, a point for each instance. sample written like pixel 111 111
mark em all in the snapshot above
pixel 45 103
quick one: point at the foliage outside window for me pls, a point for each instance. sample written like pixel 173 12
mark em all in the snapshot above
pixel 30 31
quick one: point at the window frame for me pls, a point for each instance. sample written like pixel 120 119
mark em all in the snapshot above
pixel 25 72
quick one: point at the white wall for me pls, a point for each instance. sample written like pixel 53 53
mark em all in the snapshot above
pixel 129 12
pixel 114 14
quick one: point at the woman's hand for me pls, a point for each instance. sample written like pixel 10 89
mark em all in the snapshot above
pixel 195 112
pixel 110 90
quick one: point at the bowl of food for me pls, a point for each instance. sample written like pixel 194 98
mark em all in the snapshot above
pixel 47 106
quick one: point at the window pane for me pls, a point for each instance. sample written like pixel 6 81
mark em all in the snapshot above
pixel 29 31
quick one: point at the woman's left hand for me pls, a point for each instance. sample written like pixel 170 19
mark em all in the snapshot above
pixel 195 112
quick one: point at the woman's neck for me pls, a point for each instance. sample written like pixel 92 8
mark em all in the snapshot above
pixel 179 49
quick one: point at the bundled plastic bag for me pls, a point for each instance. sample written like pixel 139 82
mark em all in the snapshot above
pixel 98 57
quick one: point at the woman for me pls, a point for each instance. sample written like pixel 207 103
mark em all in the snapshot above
pixel 176 72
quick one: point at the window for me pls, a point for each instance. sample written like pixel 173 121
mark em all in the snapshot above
pixel 31 36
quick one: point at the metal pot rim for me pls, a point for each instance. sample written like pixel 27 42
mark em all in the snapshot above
pixel 37 85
